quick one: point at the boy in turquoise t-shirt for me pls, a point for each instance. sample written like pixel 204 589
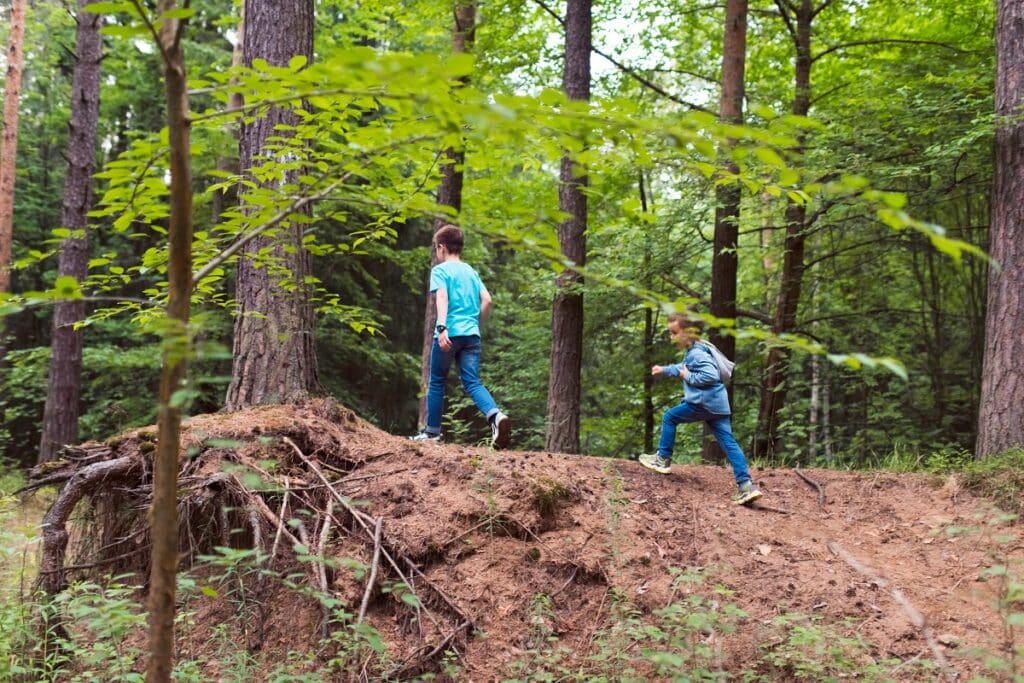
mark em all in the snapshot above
pixel 462 304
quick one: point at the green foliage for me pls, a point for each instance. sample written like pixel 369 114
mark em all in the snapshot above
pixel 114 395
pixel 999 478
pixel 809 649
pixel 674 643
pixel 896 145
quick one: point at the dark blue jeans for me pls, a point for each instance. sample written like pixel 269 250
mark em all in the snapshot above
pixel 466 354
pixel 721 426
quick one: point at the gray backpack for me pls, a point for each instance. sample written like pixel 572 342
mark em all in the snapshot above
pixel 725 366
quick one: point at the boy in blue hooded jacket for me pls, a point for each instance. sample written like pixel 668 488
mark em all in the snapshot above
pixel 705 399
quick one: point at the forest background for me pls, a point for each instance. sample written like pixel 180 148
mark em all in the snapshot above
pixel 887 160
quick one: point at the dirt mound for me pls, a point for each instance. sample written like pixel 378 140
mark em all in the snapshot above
pixel 528 561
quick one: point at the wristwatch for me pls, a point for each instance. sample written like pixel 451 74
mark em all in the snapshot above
pixel 441 328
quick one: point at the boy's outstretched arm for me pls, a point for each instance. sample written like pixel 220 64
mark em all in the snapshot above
pixel 485 304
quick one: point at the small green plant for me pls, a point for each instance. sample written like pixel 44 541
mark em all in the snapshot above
pixel 548 493
pixel 802 647
pixel 999 478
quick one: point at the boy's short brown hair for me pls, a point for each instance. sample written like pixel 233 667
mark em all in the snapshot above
pixel 685 320
pixel 451 237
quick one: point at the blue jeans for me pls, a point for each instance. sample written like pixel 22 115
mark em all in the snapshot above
pixel 721 425
pixel 466 353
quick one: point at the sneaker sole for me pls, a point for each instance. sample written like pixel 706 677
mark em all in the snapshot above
pixel 748 498
pixel 655 468
pixel 504 437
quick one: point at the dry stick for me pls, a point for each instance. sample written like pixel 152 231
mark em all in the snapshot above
pixel 321 566
pixel 821 491
pixel 348 480
pixel 370 582
pixel 359 516
pixel 430 655
pixel 257 530
pixel 567 582
pixel 916 618
pixel 758 505
pixel 280 519
pixel 267 513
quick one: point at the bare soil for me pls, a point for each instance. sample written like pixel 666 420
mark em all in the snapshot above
pixel 480 535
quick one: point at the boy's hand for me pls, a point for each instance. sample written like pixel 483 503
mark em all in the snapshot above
pixel 657 370
pixel 444 341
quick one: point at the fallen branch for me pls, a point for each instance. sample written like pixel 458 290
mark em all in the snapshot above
pixel 280 519
pixel 372 580
pixel 915 616
pixel 816 485
pixel 415 660
pixel 55 534
pixel 361 518
pixel 758 505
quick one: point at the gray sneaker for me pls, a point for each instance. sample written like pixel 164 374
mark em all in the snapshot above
pixel 656 462
pixel 425 436
pixel 747 492
pixel 501 431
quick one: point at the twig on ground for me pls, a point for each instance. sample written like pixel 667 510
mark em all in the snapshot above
pixel 567 581
pixel 816 485
pixel 416 659
pixel 361 518
pixel 265 510
pixel 374 475
pixel 372 580
pixel 280 518
pixel 758 505
pixel 915 616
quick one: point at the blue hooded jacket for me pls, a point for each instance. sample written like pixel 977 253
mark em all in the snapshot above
pixel 703 385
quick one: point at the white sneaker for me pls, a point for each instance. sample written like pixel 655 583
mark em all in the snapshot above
pixel 501 431
pixel 424 436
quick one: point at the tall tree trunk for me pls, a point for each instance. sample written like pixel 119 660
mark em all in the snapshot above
pixel 773 383
pixel 1001 415
pixel 9 142
pixel 449 193
pixel 163 514
pixel 727 197
pixel 60 417
pixel 563 420
pixel 648 353
pixel 274 352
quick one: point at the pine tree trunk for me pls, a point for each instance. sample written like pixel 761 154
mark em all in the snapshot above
pixel 727 197
pixel 9 142
pixel 773 383
pixel 1001 415
pixel 164 510
pixel 648 351
pixel 448 194
pixel 60 417
pixel 563 419
pixel 274 352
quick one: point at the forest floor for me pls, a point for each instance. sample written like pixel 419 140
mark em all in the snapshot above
pixel 531 561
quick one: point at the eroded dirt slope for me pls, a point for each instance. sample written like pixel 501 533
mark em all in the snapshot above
pixel 509 549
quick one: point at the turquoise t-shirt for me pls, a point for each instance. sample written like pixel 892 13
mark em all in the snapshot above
pixel 463 286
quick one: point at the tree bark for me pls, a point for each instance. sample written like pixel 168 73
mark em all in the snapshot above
pixel 1001 414
pixel 773 383
pixel 9 142
pixel 563 419
pixel 448 194
pixel 60 417
pixel 274 352
pixel 725 261
pixel 164 511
